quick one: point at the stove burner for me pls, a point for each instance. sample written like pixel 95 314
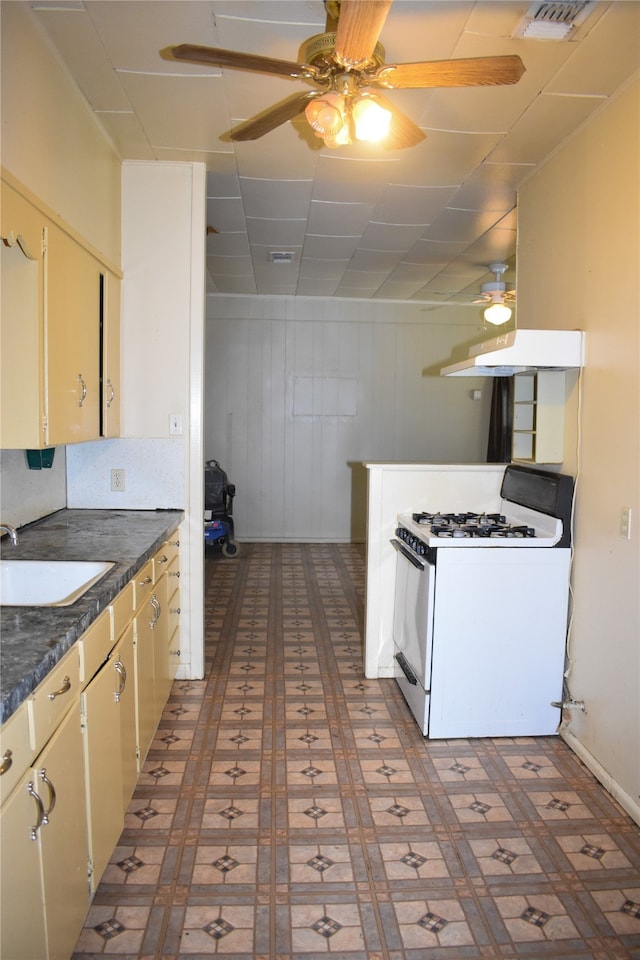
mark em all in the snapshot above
pixel 472 525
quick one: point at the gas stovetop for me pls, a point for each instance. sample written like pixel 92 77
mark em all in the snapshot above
pixel 472 525
pixel 510 525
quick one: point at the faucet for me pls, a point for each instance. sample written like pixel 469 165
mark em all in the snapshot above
pixel 13 535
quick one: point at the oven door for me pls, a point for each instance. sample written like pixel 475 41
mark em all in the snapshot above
pixel 413 628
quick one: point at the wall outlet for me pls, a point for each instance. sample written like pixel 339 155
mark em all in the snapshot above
pixel 117 480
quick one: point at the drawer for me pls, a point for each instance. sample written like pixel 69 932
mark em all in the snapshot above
pixel 167 556
pixel 15 751
pixel 122 611
pixel 143 585
pixel 173 611
pixel 53 698
pixel 94 646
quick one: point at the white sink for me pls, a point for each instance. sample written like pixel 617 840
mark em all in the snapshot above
pixel 48 583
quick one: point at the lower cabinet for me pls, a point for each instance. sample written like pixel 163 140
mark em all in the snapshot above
pixel 69 761
pixel 45 894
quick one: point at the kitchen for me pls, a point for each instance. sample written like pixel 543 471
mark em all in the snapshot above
pixel 590 282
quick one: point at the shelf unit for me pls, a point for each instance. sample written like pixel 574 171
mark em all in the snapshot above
pixel 538 416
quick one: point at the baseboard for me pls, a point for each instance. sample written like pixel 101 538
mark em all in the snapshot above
pixel 630 804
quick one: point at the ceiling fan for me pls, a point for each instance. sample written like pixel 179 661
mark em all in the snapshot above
pixel 346 63
pixel 498 297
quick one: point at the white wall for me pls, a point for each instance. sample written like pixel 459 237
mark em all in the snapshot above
pixel 300 391
pixel 587 200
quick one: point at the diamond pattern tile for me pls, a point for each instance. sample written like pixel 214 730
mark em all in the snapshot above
pixel 287 813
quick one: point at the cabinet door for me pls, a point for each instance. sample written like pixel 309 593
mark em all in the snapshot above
pixel 72 340
pixel 63 840
pixel 102 754
pixel 21 330
pixel 125 655
pixel 144 673
pixel 110 367
pixel 22 926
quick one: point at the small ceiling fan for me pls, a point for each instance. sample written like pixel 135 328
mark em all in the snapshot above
pixel 346 63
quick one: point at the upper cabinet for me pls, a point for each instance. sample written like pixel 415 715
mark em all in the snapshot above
pixel 60 329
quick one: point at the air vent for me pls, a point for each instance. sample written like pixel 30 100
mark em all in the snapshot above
pixel 281 256
pixel 553 20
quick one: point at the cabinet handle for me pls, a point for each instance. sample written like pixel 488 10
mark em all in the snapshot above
pixel 143 583
pixel 121 671
pixel 163 559
pixel 173 573
pixel 174 653
pixel 6 762
pixel 52 795
pixel 174 610
pixel 113 393
pixel 66 686
pixel 83 391
pixel 174 543
pixel 156 611
pixel 40 811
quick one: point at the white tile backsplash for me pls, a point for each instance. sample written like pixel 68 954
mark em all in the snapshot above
pixel 154 474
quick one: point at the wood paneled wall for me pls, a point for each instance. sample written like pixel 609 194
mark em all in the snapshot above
pixel 299 392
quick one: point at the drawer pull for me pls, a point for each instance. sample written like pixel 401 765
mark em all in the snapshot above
pixel 174 653
pixel 52 795
pixel 175 610
pixel 40 811
pixel 174 543
pixel 122 673
pixel 143 583
pixel 173 573
pixel 112 395
pixel 6 762
pixel 163 559
pixel 66 686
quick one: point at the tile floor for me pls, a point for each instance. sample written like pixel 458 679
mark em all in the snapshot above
pixel 289 808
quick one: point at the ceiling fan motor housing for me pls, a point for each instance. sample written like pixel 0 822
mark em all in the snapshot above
pixel 319 51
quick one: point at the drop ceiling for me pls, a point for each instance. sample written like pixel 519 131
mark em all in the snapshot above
pixel 420 224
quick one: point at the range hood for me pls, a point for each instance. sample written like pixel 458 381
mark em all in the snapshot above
pixel 521 350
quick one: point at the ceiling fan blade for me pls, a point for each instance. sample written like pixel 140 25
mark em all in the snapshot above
pixel 359 26
pixel 273 117
pixel 478 71
pixel 217 57
pixel 403 132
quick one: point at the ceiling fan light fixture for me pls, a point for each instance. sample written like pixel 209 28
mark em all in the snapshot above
pixel 371 120
pixel 325 115
pixel 497 313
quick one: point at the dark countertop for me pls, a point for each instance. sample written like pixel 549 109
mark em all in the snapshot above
pixel 34 639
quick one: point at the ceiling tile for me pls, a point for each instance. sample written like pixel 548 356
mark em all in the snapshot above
pixel 411 204
pixel 276 199
pixel 226 215
pixel 389 236
pixel 278 234
pixel 546 123
pixel 330 248
pixel 338 219
pixel 177 110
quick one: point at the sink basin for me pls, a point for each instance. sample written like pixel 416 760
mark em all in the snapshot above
pixel 48 583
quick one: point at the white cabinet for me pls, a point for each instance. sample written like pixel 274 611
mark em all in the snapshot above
pixel 538 416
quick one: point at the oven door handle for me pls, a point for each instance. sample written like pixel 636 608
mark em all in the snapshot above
pixel 410 556
pixel 403 663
